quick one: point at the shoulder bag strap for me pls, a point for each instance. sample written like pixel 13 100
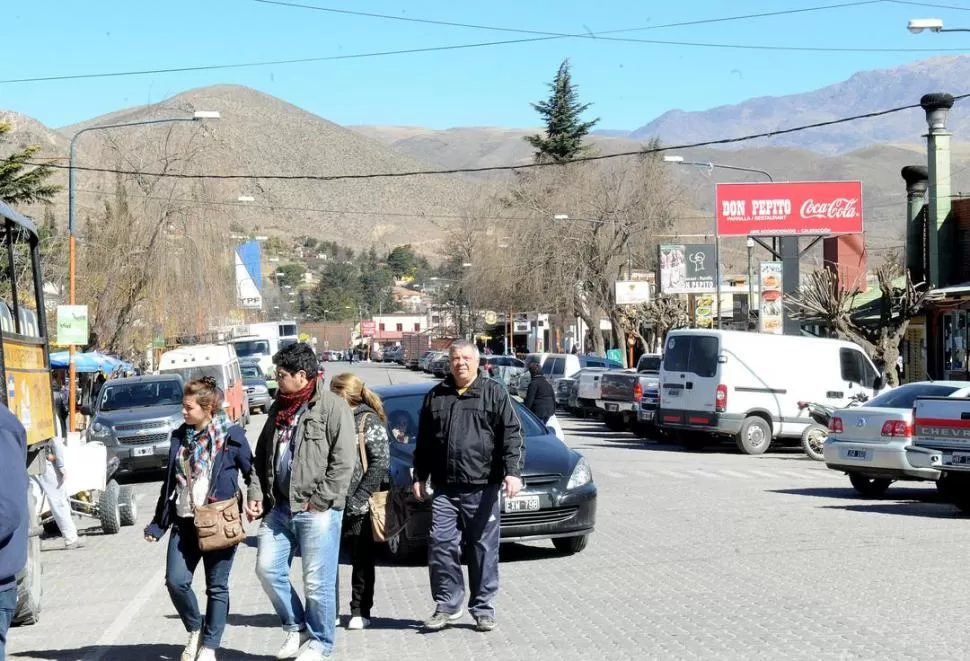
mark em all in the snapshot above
pixel 188 481
pixel 361 441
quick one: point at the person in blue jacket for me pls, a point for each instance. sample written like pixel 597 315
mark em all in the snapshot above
pixel 13 516
pixel 212 451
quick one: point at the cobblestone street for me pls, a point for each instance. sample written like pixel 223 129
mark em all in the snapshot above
pixel 696 555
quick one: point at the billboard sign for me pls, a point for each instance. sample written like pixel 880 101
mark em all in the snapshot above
pixel 687 269
pixel 789 208
pixel 72 324
pixel 247 292
pixel 771 306
pixel 632 292
pixel 368 328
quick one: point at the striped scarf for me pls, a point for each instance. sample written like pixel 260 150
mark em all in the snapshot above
pixel 199 449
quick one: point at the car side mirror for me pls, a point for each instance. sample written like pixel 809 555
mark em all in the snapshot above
pixel 878 383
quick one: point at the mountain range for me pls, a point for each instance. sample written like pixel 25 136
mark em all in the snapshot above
pixel 261 134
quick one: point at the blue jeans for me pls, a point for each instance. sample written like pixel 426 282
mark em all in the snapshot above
pixel 316 537
pixel 183 558
pixel 8 604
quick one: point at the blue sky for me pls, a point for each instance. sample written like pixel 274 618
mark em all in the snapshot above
pixel 629 83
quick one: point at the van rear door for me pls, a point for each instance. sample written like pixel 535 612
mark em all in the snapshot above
pixel 689 378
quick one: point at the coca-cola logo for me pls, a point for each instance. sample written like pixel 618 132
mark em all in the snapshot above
pixel 840 207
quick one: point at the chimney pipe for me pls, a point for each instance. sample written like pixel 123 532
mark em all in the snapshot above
pixel 916 177
pixel 937 107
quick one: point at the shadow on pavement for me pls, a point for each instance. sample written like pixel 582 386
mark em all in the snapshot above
pixel 394 623
pixel 141 477
pixel 848 493
pixel 926 510
pixel 141 652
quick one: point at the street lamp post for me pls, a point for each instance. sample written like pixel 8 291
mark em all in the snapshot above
pixel 917 25
pixel 71 245
pixel 717 238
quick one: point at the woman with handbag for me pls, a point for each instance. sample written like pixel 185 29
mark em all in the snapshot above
pixel 370 472
pixel 199 500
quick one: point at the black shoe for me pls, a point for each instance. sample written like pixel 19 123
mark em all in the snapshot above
pixel 484 623
pixel 440 620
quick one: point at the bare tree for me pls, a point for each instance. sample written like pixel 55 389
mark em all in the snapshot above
pixel 650 322
pixel 822 300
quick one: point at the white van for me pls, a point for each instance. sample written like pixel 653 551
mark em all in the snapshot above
pixel 218 361
pixel 747 386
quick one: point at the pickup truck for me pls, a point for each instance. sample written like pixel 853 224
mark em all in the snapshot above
pixel 622 393
pixel 941 440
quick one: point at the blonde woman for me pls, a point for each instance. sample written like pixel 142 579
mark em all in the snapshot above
pixel 371 424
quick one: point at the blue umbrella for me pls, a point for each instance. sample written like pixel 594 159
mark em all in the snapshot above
pixel 92 361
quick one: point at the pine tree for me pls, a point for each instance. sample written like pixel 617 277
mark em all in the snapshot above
pixel 19 182
pixel 563 139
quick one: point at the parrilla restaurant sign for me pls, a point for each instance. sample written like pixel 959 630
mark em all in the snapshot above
pixel 790 207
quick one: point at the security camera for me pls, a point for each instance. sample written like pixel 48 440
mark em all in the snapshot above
pixel 917 25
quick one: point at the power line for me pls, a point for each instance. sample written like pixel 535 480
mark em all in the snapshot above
pixel 927 4
pixel 453 47
pixel 587 35
pixel 492 168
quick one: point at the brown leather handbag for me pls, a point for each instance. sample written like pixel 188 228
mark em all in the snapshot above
pixel 218 525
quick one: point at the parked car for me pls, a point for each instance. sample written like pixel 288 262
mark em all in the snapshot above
pixel 940 443
pixel 586 384
pixel 134 419
pixel 250 368
pixel 504 368
pixel 622 390
pixel 721 384
pixel 441 365
pixel 258 393
pixel 558 365
pixel 429 358
pixel 869 443
pixel 557 501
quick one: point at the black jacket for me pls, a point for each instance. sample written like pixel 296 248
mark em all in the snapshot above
pixel 14 520
pixel 235 458
pixel 540 398
pixel 471 439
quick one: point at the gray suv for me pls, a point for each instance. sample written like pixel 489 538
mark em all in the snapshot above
pixel 135 418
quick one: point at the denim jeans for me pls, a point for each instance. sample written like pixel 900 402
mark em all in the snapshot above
pixel 183 558
pixel 316 537
pixel 8 604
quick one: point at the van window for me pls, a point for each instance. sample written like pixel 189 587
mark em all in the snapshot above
pixel 593 362
pixel 554 366
pixel 648 363
pixel 692 353
pixel 855 367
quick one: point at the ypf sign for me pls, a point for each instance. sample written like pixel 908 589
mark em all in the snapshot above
pixel 789 208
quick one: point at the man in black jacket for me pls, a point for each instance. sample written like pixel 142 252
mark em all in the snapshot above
pixel 540 398
pixel 13 516
pixel 470 444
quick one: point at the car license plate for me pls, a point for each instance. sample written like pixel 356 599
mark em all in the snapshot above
pixel 142 452
pixel 612 407
pixel 960 459
pixel 522 504
pixel 857 454
pixel 646 415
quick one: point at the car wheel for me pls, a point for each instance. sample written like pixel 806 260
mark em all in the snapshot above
pixel 949 488
pixel 813 439
pixel 613 422
pixel 755 435
pixel 109 509
pixel 570 545
pixel 872 487
pixel 128 509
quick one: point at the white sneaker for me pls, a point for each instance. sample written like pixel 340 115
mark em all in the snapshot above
pixel 206 654
pixel 192 647
pixel 311 654
pixel 357 622
pixel 291 646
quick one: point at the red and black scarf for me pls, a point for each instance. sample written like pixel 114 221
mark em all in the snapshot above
pixel 287 404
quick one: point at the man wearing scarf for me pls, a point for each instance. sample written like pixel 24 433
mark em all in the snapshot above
pixel 302 469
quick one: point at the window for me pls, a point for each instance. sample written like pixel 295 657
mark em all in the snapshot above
pixel 417 328
pixel 904 396
pixel 593 362
pixel 399 328
pixel 554 366
pixel 380 327
pixel 856 368
pixel 141 395
pixel 692 353
pixel 246 348
pixel 648 363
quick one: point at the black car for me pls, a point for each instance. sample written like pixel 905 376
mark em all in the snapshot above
pixel 558 497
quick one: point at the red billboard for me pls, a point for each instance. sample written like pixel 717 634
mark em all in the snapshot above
pixel 790 207
pixel 368 328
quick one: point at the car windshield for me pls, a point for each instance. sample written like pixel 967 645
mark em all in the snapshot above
pixel 191 373
pixel 251 371
pixel 905 396
pixel 251 348
pixel 649 364
pixel 403 412
pixel 115 397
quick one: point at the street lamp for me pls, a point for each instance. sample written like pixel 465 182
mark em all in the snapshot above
pixel 679 160
pixel 71 245
pixel 917 25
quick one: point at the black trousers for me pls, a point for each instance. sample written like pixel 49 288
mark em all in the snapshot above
pixel 359 551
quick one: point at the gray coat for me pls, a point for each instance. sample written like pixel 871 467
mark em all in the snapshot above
pixel 324 449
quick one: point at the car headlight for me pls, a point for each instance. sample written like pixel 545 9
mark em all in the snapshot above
pixel 97 429
pixel 582 475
